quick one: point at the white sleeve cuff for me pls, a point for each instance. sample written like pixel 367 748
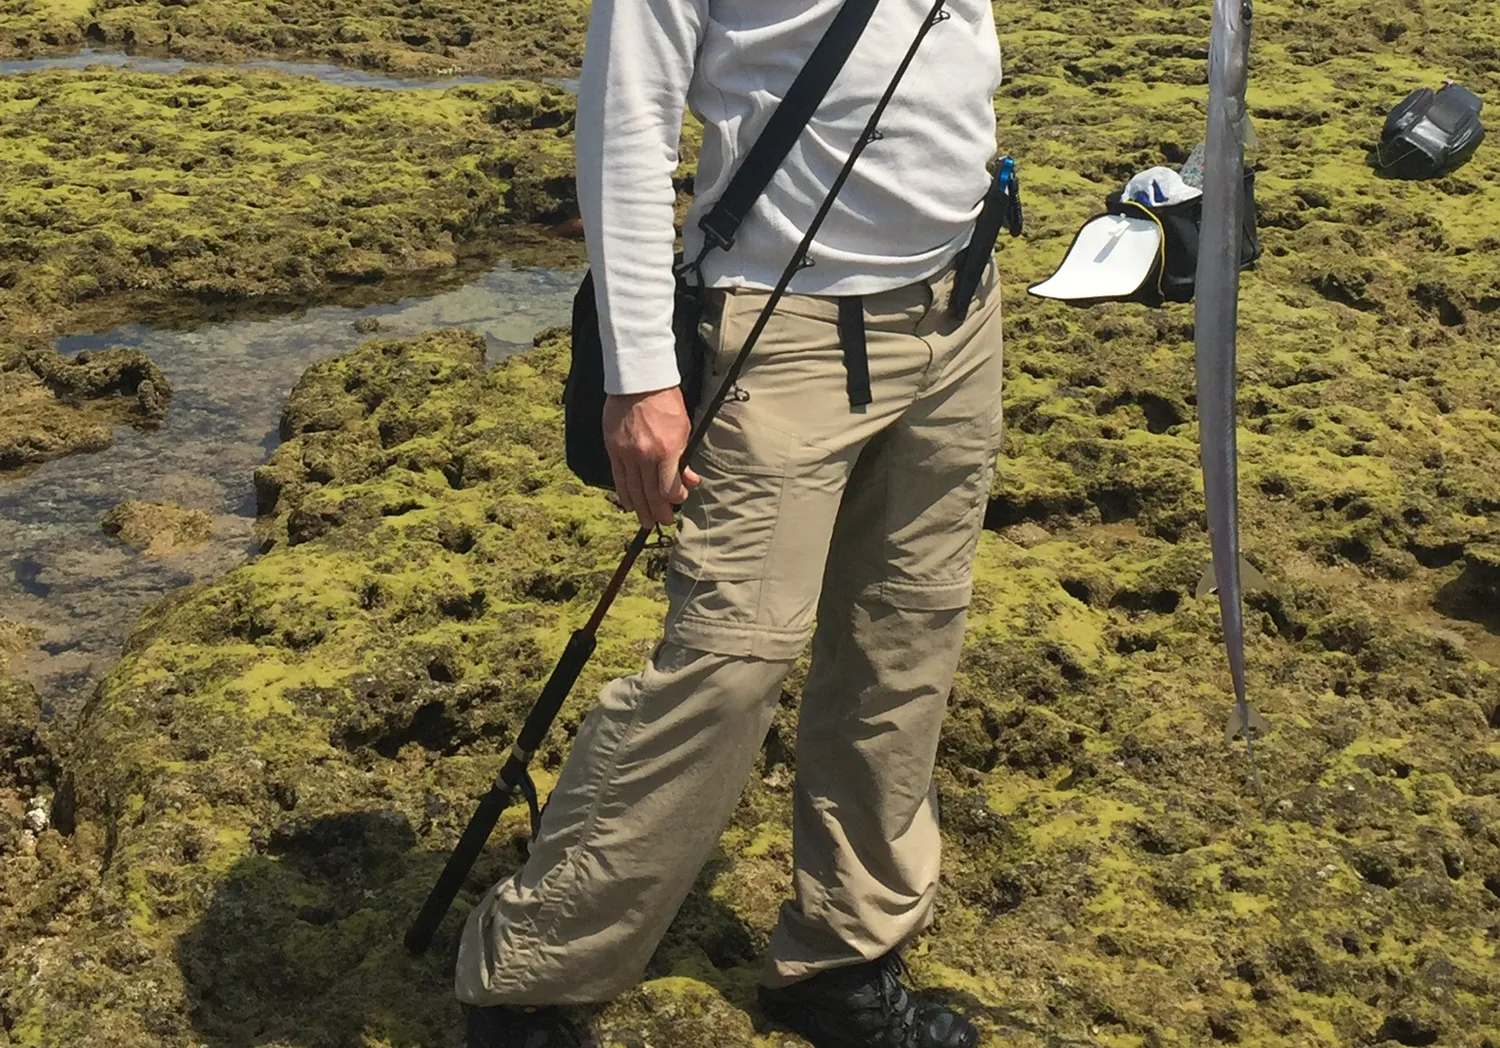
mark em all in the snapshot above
pixel 640 372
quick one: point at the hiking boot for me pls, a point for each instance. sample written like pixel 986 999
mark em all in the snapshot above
pixel 505 1027
pixel 865 1006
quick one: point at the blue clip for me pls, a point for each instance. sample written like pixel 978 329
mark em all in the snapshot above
pixel 1009 186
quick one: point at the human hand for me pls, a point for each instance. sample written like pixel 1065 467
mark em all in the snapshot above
pixel 646 434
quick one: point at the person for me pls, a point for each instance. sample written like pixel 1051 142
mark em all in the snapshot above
pixel 805 503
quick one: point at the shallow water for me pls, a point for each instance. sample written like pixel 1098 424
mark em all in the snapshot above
pixel 326 72
pixel 331 74
pixel 60 573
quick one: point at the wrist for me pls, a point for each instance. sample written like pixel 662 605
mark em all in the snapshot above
pixel 639 395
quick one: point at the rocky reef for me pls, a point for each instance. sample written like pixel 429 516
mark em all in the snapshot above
pixel 527 39
pixel 140 196
pixel 229 186
pixel 161 529
pixel 283 756
pixel 227 846
pixel 52 405
pixel 38 876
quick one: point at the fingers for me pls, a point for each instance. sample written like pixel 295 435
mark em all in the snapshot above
pixel 669 482
pixel 638 489
pixel 638 485
pixel 622 488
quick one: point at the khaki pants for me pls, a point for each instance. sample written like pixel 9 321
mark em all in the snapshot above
pixel 867 517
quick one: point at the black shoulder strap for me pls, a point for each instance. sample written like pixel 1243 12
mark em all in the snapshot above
pixel 785 126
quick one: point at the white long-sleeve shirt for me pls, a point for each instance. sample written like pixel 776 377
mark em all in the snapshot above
pixel 906 210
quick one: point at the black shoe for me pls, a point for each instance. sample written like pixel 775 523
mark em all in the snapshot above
pixel 505 1027
pixel 865 1006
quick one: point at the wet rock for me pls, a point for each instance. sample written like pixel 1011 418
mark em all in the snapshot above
pixel 96 374
pixel 52 405
pixel 26 757
pixel 15 639
pixel 160 529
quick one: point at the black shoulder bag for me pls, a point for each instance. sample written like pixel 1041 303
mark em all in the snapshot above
pixel 1174 276
pixel 583 394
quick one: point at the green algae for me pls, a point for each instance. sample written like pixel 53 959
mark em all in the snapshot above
pixel 510 39
pixel 232 186
pixel 273 712
pixel 284 755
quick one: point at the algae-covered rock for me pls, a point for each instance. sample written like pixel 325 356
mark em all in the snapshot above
pixel 15 638
pixel 47 864
pixel 284 756
pixel 27 768
pixel 160 529
pixel 227 186
pixel 514 38
pixel 279 751
pixel 51 405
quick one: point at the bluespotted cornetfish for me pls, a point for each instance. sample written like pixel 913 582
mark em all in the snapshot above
pixel 1215 318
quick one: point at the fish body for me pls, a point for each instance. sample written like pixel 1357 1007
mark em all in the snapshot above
pixel 1216 317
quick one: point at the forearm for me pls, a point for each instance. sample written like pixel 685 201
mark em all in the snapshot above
pixel 637 66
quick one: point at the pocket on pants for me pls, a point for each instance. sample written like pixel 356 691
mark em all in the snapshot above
pixel 729 522
pixel 934 517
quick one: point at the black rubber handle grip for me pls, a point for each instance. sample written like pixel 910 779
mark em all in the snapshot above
pixel 493 804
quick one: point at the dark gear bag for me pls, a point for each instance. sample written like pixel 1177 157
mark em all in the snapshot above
pixel 584 394
pixel 1173 276
pixel 1430 132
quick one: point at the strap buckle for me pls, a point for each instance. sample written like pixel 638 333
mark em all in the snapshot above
pixel 713 236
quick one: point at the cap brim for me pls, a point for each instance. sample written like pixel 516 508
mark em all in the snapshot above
pixel 1111 257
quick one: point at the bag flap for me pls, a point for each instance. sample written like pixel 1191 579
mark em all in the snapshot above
pixel 1453 106
pixel 1405 112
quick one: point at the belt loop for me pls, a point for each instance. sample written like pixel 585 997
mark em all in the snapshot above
pixel 856 357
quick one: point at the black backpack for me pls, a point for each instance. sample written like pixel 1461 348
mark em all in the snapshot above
pixel 1430 132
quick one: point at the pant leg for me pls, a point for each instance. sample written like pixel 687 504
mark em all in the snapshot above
pixel 890 629
pixel 652 778
pixel 659 763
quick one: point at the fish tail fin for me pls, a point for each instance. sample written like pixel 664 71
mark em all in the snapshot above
pixel 1251 725
pixel 1208 583
pixel 1245 722
pixel 1251 580
pixel 1248 138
